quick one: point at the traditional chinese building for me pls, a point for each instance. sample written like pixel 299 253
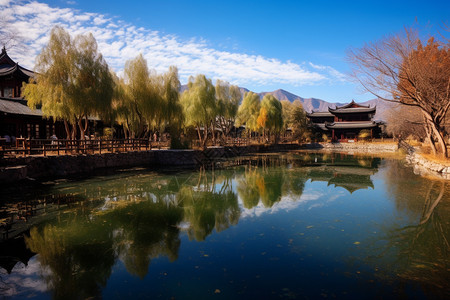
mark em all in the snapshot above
pixel 345 123
pixel 17 119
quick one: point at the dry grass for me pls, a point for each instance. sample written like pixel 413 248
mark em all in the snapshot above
pixel 436 159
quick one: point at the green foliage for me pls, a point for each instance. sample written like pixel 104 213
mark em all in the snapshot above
pixel 271 113
pixel 294 117
pixel 108 133
pixel 248 111
pixel 228 97
pixel 72 81
pixel 364 134
pixel 199 105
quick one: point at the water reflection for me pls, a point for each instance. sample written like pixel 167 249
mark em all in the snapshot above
pixel 136 217
pixel 423 249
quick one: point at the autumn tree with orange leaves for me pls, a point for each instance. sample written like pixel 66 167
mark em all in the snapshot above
pixel 401 69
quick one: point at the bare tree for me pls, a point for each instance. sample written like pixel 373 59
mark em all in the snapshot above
pixel 10 37
pixel 405 121
pixel 401 69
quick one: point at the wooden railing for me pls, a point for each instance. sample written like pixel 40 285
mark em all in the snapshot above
pixel 45 147
pixel 26 147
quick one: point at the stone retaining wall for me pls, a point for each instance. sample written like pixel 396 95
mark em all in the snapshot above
pixel 361 147
pixel 39 167
pixel 423 166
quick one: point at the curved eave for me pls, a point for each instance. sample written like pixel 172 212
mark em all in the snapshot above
pixel 352 110
pixel 351 125
pixel 352 104
pixel 17 70
pixel 321 114
pixel 11 106
pixel 321 126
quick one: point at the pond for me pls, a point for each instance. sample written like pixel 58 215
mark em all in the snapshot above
pixel 304 225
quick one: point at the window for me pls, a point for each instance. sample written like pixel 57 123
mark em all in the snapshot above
pixel 8 92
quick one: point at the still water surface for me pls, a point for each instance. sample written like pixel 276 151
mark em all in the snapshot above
pixel 290 226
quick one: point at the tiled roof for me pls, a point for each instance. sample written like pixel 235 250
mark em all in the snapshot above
pixel 8 66
pixel 351 125
pixel 352 110
pixel 17 107
pixel 319 114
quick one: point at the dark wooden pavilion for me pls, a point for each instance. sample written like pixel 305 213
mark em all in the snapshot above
pixel 17 119
pixel 344 123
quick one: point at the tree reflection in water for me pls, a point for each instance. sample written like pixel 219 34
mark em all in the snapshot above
pixel 423 247
pixel 139 217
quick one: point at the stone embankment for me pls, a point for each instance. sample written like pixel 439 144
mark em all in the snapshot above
pixel 423 166
pixel 40 167
pixel 356 147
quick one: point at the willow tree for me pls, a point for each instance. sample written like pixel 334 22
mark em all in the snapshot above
pixel 228 97
pixel 401 69
pixel 143 94
pixel 199 106
pixel 294 118
pixel 73 81
pixel 270 115
pixel 171 111
pixel 123 111
pixel 248 112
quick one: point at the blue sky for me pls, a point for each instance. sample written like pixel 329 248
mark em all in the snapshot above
pixel 299 46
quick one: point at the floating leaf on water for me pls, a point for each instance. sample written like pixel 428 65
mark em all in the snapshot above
pixel 420 266
pixel 310 226
pixel 356 243
pixel 217 291
pixel 205 255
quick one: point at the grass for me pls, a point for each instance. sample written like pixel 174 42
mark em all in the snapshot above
pixel 436 159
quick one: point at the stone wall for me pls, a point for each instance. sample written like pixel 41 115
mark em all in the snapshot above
pixel 422 166
pixel 357 147
pixel 39 167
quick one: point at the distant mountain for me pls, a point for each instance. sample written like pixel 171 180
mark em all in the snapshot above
pixel 383 108
pixel 281 95
pixel 314 104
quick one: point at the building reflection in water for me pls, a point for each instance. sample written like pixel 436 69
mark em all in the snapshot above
pixel 138 217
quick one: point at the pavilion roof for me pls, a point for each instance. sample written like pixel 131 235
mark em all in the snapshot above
pixel 319 114
pixel 8 66
pixel 352 110
pixel 351 125
pixel 17 107
pixel 352 104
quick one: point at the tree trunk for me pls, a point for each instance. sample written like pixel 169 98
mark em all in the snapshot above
pixel 213 131
pixel 429 137
pixel 67 127
pixel 74 131
pixel 441 142
pixel 199 135
pixel 437 134
pixel 83 128
pixel 205 137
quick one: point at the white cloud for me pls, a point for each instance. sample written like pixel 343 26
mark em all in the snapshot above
pixel 120 41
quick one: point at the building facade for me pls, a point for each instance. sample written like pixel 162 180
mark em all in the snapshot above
pixel 17 119
pixel 345 123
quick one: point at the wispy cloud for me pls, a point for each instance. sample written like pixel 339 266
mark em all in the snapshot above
pixel 120 41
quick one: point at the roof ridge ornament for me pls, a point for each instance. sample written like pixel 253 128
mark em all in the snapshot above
pixel 3 49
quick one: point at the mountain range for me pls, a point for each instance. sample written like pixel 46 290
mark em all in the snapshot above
pixel 314 104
